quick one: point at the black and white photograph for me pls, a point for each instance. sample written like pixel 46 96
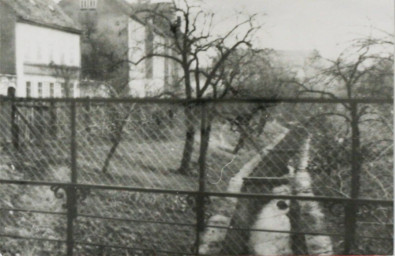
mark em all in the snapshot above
pixel 196 127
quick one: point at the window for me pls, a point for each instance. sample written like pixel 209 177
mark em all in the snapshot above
pixel 149 49
pixel 63 89
pixel 11 91
pixel 88 4
pixel 175 70
pixel 40 90
pixel 71 90
pixel 51 90
pixel 28 89
pixel 84 4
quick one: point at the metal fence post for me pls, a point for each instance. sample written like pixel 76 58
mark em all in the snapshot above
pixel 53 120
pixel 298 241
pixel 14 125
pixel 200 200
pixel 87 115
pixel 351 208
pixel 71 191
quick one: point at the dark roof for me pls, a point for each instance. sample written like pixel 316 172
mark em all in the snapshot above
pixel 44 13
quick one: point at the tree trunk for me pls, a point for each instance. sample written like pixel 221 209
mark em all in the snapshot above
pixel 200 200
pixel 53 120
pixel 262 123
pixel 116 138
pixel 189 141
pixel 240 142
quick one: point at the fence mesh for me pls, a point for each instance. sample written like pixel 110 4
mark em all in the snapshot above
pixel 156 148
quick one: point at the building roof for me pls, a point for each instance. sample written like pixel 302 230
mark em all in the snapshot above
pixel 44 13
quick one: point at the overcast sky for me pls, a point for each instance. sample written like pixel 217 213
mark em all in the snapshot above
pixel 325 25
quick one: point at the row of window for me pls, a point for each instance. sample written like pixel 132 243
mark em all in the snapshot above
pixel 41 87
pixel 88 4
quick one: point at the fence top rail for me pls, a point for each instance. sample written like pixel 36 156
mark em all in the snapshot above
pixel 198 101
pixel 198 193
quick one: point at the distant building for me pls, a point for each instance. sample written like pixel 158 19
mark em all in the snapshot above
pixel 130 36
pixel 298 62
pixel 39 49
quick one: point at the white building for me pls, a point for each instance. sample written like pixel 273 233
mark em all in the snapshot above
pixel 153 75
pixel 130 35
pixel 40 46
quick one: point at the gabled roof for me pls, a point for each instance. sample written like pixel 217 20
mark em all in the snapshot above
pixel 44 13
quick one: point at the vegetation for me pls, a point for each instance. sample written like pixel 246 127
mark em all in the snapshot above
pixel 193 42
pixel 153 146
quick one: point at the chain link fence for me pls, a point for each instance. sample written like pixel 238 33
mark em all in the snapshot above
pixel 176 177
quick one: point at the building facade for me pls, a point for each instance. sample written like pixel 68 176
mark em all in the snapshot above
pixel 114 26
pixel 39 49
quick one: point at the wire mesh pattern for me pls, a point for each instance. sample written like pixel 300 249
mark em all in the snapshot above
pixel 176 177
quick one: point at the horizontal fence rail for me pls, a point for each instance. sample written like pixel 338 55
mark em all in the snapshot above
pixel 196 177
pixel 196 193
pixel 203 100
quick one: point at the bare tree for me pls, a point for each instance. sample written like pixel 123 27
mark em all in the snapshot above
pixel 192 43
pixel 352 73
pixel 104 59
pixel 252 73
pixel 365 69
pixel 67 75
pixel 105 62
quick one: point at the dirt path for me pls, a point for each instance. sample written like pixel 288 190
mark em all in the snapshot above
pixel 313 217
pixel 271 172
pixel 212 238
pixel 275 216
